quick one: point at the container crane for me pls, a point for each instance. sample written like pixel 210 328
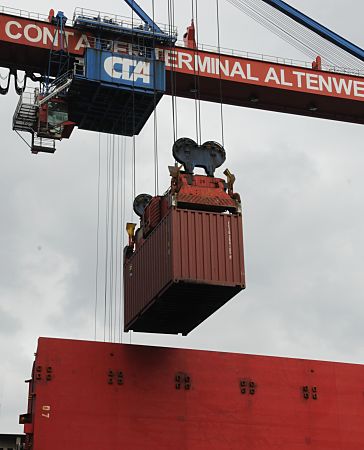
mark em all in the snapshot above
pixel 155 398
pixel 94 92
pixel 102 90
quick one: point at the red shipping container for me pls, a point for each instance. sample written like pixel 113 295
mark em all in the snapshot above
pixel 93 395
pixel 190 265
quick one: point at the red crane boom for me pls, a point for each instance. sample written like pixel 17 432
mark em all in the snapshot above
pixel 241 79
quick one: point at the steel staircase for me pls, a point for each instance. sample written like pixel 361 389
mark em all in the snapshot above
pixel 26 113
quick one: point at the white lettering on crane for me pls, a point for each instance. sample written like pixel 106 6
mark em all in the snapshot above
pixel 312 82
pixel 185 59
pixel 68 34
pixel 237 70
pixel 48 37
pixel 38 34
pixel 224 67
pixel 202 64
pixel 249 73
pixel 272 76
pixel 8 31
pixel 283 79
pixel 359 88
pixel 325 84
pixel 130 70
pixel 83 42
pixel 342 84
pixel 299 75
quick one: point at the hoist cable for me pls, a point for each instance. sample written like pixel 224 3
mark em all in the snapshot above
pixel 220 75
pixel 120 246
pixel 133 119
pixel 106 231
pixel 117 241
pixel 196 75
pixel 155 128
pixel 112 238
pixel 97 235
pixel 319 44
pixel 198 79
pixel 296 34
pixel 123 215
pixel 271 25
pixel 133 172
pixel 172 54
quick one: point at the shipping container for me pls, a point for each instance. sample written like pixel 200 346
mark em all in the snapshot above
pixel 103 396
pixel 189 266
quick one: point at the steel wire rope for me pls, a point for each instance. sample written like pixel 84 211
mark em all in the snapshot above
pixel 112 238
pixel 133 125
pixel 123 237
pixel 155 123
pixel 117 241
pixel 106 231
pixel 262 19
pixel 97 235
pixel 271 26
pixel 133 114
pixel 196 74
pixel 318 43
pixel 171 58
pixel 220 79
pixel 313 44
pixel 116 252
pixel 198 77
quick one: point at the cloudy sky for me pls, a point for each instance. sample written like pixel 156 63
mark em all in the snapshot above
pixel 301 181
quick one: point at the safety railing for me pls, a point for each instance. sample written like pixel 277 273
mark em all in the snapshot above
pixel 22 13
pixel 27 97
pixel 24 115
pixel 128 48
pixel 57 82
pixel 275 59
pixel 107 19
pixel 134 22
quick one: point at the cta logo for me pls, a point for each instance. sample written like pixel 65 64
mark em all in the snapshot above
pixel 128 69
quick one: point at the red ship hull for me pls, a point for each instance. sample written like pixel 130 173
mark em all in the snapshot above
pixel 92 395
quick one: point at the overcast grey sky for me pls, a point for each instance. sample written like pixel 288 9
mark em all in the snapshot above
pixel 301 181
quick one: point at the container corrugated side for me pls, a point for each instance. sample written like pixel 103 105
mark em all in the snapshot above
pixel 188 267
pixel 151 269
pixel 208 247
